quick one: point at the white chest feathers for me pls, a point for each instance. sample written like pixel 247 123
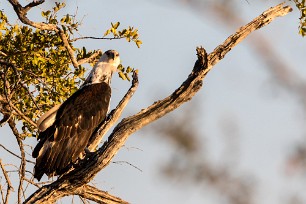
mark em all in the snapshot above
pixel 102 72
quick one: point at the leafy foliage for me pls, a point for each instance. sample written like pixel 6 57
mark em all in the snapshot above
pixel 129 34
pixel 301 5
pixel 35 66
pixel 43 78
pixel 124 72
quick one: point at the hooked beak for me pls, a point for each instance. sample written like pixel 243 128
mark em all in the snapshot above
pixel 112 55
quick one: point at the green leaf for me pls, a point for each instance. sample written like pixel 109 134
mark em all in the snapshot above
pixel 122 75
pixel 138 43
pixel 116 25
pixel 107 32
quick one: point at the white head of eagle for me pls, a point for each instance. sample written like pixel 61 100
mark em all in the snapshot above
pixel 65 130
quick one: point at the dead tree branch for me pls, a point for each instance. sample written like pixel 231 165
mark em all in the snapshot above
pixel 92 164
pixel 22 15
pixel 113 116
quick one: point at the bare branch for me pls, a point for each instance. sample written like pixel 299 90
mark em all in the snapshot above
pixel 96 38
pixel 91 58
pixel 12 153
pixel 23 160
pixel 84 201
pixel 68 47
pixel 94 194
pixel 2 194
pixel 33 4
pixel 113 116
pixel 32 182
pixel 8 181
pixel 5 118
pixel 30 94
pixel 128 163
pixel 19 113
pixel 22 15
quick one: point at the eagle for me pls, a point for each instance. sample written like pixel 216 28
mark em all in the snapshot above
pixel 66 129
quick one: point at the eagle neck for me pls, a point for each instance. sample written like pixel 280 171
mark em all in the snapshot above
pixel 102 72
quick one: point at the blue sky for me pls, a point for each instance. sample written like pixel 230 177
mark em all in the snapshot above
pixel 239 88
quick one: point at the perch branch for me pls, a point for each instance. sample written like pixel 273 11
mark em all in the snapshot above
pixel 113 116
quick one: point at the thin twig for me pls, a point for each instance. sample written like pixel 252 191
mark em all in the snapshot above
pixel 83 200
pixel 7 92
pixel 33 4
pixel 9 151
pixel 2 194
pixel 30 94
pixel 23 160
pixel 68 47
pixel 91 58
pixel 19 113
pixel 8 181
pixel 27 185
pixel 18 79
pixel 5 118
pixel 125 162
pixel 6 88
pixel 96 38
pixel 32 182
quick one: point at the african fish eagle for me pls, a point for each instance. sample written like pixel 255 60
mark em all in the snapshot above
pixel 65 130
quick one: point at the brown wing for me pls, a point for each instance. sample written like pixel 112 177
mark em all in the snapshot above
pixel 76 120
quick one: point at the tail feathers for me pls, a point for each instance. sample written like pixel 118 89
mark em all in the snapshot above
pixel 38 173
pixel 43 137
pixel 38 147
pixel 50 160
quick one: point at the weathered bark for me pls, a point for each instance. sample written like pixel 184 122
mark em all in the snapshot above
pixel 76 180
pixel 95 194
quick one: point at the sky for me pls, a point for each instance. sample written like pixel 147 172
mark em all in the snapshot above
pixel 239 89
